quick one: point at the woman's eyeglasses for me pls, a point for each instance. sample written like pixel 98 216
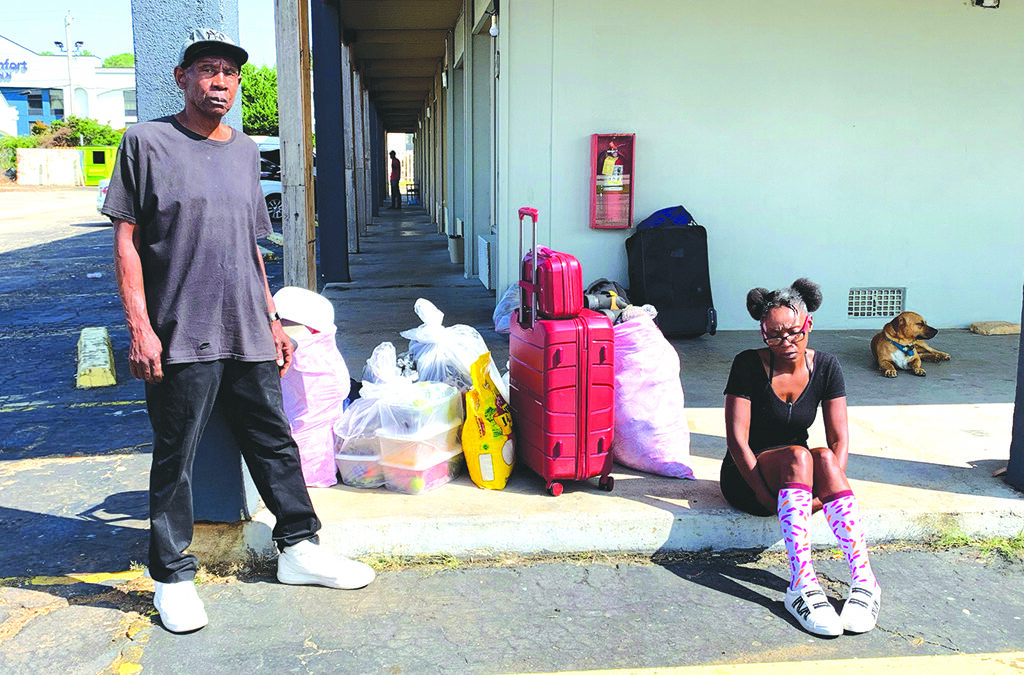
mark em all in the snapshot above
pixel 791 338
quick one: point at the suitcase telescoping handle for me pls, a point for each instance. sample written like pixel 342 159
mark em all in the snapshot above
pixel 530 287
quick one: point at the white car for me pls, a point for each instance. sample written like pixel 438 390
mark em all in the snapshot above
pixel 101 194
pixel 272 196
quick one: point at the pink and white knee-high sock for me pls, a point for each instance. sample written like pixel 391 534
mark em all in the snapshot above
pixel 844 519
pixel 794 513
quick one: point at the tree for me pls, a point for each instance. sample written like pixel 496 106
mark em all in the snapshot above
pixel 126 60
pixel 66 132
pixel 259 100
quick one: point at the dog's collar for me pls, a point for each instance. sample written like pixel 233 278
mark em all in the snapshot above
pixel 908 350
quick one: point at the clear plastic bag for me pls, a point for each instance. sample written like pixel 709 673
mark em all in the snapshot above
pixel 508 304
pixel 443 354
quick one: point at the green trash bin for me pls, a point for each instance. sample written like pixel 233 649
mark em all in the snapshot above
pixel 97 162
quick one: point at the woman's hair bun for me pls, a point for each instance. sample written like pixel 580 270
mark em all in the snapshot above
pixel 757 300
pixel 809 292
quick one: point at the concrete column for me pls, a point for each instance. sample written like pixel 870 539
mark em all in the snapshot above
pixel 449 146
pixel 482 74
pixel 159 28
pixel 221 488
pixel 360 153
pixel 330 131
pixel 1015 469
pixel 367 158
pixel 375 151
pixel 349 150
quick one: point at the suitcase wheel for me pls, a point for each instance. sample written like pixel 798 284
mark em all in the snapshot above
pixel 555 489
pixel 607 483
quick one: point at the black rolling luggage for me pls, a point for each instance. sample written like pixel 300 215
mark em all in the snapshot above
pixel 668 268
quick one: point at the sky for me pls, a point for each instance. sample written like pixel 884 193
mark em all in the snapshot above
pixel 106 27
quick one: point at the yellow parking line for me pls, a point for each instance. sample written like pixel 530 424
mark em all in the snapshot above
pixel 1008 662
pixel 87 578
pixel 43 405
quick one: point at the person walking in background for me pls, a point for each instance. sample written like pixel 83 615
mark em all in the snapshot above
pixel 187 210
pixel 396 176
pixel 771 399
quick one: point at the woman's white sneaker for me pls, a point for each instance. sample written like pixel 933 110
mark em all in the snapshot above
pixel 179 605
pixel 810 606
pixel 860 613
pixel 308 563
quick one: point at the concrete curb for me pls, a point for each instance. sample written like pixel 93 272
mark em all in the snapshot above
pixel 648 532
pixel 95 359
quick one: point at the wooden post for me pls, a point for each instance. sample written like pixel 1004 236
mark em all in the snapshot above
pixel 349 150
pixel 296 132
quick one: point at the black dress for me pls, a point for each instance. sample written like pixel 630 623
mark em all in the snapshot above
pixel 773 422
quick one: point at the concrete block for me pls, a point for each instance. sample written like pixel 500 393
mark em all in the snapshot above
pixel 995 328
pixel 95 359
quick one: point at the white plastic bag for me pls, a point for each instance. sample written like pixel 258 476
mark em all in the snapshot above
pixel 651 433
pixel 443 354
pixel 508 304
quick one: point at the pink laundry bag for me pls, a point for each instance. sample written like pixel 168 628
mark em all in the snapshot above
pixel 314 390
pixel 651 433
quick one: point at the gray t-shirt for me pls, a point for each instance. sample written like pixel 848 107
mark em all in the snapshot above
pixel 200 209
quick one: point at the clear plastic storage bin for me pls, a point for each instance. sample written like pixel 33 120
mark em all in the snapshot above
pixel 426 446
pixel 361 471
pixel 424 476
pixel 422 406
pixel 363 446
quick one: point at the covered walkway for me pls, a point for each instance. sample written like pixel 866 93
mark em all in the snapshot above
pixel 923 449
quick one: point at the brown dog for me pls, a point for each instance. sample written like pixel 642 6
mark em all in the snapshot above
pixel 901 344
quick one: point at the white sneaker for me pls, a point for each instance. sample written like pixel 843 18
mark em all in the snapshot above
pixel 860 613
pixel 812 609
pixel 179 605
pixel 308 563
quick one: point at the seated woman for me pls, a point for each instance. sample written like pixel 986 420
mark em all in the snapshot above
pixel 771 399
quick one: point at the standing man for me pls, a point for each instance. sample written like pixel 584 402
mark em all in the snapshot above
pixel 396 175
pixel 187 210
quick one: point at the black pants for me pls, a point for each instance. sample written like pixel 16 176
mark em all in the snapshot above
pixel 396 195
pixel 179 408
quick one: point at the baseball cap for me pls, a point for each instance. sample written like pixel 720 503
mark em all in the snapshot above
pixel 208 42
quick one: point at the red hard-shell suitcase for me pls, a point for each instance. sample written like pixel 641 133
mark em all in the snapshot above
pixel 557 278
pixel 562 377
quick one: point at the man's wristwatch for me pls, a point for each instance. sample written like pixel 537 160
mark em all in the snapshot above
pixel 274 317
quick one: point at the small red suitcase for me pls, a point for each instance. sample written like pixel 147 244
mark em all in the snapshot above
pixel 556 277
pixel 562 377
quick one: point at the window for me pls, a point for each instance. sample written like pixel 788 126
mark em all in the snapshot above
pixel 35 102
pixel 57 102
pixel 130 108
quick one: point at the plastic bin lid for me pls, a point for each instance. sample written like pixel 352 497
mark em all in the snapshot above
pixel 357 458
pixel 421 435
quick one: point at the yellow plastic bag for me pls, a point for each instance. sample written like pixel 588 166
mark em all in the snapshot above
pixel 487 434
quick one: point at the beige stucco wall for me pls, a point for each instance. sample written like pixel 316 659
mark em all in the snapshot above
pixel 863 143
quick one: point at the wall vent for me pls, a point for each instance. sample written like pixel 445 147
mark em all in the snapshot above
pixel 875 302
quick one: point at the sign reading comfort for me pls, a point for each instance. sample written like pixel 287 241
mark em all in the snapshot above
pixel 8 68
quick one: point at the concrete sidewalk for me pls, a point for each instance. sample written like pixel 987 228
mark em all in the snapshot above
pixel 922 453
